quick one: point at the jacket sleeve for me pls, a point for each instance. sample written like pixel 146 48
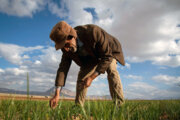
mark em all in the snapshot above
pixel 63 70
pixel 103 49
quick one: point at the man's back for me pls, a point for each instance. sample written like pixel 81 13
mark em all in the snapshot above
pixel 98 40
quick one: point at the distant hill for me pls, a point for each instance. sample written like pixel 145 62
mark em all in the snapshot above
pixel 65 93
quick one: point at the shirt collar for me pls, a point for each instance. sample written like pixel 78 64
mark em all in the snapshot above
pixel 79 42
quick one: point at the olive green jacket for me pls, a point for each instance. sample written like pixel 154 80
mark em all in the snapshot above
pixel 100 45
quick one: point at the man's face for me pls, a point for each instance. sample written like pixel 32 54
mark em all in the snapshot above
pixel 70 45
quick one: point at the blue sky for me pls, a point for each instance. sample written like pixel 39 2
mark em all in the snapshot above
pixel 148 31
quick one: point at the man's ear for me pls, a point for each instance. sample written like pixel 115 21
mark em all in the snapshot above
pixel 57 47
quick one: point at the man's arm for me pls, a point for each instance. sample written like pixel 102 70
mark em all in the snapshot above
pixel 54 101
pixel 58 91
pixel 63 70
pixel 60 79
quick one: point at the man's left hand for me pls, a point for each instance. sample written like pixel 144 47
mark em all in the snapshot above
pixel 87 82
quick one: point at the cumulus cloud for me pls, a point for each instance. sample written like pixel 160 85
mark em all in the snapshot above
pixel 1 70
pixel 149 35
pixel 21 7
pixel 165 79
pixel 146 29
pixel 42 67
pixel 142 90
pixel 135 77
pixel 14 53
pixel 59 11
pixel 128 65
pixel 100 88
pixel 13 78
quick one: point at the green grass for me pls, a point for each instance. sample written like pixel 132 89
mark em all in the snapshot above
pixel 93 110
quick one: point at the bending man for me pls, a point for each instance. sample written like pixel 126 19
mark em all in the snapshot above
pixel 95 51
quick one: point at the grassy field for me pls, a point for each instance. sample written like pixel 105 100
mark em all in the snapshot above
pixel 93 110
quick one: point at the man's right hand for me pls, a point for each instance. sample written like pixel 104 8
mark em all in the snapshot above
pixel 54 102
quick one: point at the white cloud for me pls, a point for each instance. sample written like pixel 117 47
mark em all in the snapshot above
pixel 16 71
pixel 21 7
pixel 55 9
pixel 163 68
pixel 37 62
pixel 105 22
pixel 25 56
pixel 41 68
pixel 139 90
pixel 172 61
pixel 147 34
pixel 50 58
pixel 146 29
pixel 142 90
pixel 77 14
pixel 135 77
pixel 14 53
pixel 100 88
pixel 13 78
pixel 165 79
pixel 1 70
pixel 142 85
pixel 128 65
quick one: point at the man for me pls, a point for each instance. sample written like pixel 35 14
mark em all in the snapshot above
pixel 95 51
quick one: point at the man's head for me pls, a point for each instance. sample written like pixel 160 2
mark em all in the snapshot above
pixel 64 37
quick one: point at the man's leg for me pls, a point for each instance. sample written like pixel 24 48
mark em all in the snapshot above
pixel 115 86
pixel 80 91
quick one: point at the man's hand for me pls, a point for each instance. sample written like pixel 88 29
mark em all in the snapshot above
pixel 88 80
pixel 54 102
